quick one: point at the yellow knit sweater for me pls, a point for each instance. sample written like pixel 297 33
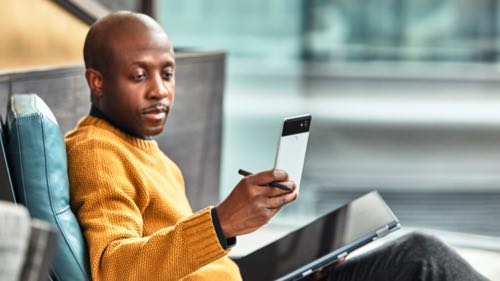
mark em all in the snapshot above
pixel 130 201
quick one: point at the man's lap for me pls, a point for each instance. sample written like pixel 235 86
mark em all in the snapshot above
pixel 415 256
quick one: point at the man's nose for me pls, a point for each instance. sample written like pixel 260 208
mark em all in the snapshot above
pixel 158 88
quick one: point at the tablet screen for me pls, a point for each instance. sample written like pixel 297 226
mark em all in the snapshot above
pixel 321 240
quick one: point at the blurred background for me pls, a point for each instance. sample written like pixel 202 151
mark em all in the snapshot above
pixel 404 96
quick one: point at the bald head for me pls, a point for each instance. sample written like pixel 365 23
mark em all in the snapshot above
pixel 130 67
pixel 112 31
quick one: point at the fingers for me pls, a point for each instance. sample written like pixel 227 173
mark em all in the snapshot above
pixel 339 261
pixel 252 203
pixel 275 191
pixel 325 271
pixel 279 201
pixel 265 177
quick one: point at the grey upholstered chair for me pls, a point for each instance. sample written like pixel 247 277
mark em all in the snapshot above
pixel 14 236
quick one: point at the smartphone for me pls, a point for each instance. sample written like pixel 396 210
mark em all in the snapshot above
pixel 292 146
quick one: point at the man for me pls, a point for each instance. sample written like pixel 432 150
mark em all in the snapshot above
pixel 128 196
pixel 130 199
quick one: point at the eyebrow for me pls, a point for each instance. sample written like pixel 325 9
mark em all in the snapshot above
pixel 169 63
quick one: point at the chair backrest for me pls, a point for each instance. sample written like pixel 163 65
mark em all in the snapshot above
pixel 38 165
pixel 6 188
pixel 14 235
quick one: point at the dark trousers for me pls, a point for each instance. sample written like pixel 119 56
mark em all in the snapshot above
pixel 414 257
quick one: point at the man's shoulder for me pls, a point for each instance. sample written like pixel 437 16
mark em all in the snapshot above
pixel 88 150
pixel 88 136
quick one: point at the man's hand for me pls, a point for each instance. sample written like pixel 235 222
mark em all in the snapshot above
pixel 323 273
pixel 252 203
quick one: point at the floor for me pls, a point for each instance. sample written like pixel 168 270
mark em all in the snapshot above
pixel 486 262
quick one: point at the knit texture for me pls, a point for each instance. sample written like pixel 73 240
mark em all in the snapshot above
pixel 130 200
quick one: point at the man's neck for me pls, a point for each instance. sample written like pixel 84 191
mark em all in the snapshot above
pixel 95 112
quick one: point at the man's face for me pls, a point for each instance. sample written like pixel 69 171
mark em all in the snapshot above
pixel 138 87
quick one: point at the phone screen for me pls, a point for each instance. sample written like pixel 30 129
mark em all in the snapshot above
pixel 292 147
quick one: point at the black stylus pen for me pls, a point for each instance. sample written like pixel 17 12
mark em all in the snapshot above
pixel 273 184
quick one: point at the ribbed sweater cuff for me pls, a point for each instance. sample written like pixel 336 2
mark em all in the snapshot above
pixel 225 242
pixel 202 241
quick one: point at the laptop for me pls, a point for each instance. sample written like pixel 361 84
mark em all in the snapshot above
pixel 321 242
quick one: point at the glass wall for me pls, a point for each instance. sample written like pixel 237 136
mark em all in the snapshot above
pixel 444 30
pixel 403 93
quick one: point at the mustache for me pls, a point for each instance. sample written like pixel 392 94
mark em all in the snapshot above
pixel 157 107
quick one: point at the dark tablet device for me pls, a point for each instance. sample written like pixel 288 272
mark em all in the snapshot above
pixel 322 241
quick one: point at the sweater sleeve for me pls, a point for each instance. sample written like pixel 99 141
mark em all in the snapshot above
pixel 108 199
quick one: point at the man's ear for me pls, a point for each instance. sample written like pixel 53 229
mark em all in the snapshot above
pixel 94 80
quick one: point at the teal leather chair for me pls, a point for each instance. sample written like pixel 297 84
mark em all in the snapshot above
pixel 38 165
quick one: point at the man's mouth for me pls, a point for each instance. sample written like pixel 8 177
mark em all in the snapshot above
pixel 156 112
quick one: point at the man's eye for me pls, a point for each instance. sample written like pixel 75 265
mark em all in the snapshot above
pixel 168 75
pixel 138 77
